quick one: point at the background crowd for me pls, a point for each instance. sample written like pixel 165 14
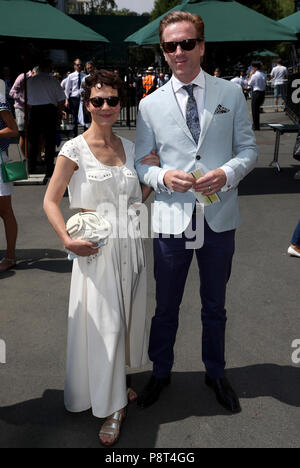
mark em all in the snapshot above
pixel 55 104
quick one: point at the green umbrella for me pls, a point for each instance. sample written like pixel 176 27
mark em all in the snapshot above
pixel 262 53
pixel 292 22
pixel 39 20
pixel 225 21
pixel 26 19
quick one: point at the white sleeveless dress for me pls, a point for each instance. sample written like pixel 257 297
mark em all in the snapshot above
pixel 107 307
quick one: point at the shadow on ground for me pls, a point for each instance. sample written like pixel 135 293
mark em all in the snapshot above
pixel 42 259
pixel 268 181
pixel 45 423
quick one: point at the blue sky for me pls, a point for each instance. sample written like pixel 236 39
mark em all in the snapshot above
pixel 140 6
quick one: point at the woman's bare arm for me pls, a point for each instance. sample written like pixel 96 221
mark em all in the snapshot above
pixel 11 129
pixel 63 172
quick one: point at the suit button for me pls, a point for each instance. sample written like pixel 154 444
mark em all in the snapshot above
pixel 198 157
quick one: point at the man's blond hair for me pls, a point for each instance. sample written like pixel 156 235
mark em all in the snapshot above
pixel 178 16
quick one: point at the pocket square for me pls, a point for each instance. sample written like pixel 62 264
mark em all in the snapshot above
pixel 221 110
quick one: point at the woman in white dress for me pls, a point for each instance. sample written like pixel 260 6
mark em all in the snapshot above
pixel 106 330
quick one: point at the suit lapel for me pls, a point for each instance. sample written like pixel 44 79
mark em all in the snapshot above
pixel 212 96
pixel 174 109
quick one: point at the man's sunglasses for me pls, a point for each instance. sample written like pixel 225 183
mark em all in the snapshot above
pixel 187 44
pixel 111 101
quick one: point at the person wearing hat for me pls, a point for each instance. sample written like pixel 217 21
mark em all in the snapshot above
pixel 149 82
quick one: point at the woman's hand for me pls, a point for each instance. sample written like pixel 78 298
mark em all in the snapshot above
pixel 82 248
pixel 152 159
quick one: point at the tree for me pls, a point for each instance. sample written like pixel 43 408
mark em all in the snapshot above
pixel 125 12
pixel 93 7
pixel 275 9
pixel 162 6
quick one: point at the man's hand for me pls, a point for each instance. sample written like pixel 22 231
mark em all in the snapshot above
pixel 211 183
pixel 179 181
pixel 152 159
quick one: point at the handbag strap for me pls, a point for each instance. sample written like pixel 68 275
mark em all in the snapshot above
pixel 21 159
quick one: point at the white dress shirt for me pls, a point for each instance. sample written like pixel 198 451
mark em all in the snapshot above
pixel 182 99
pixel 237 80
pixel 71 86
pixel 44 89
pixel 279 73
pixel 258 81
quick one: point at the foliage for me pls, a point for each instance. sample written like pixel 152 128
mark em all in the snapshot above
pixel 161 6
pixel 125 12
pixel 275 9
pixel 93 7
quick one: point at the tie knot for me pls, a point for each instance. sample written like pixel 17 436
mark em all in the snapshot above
pixel 189 89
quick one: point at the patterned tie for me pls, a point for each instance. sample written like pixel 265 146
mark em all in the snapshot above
pixel 79 81
pixel 192 116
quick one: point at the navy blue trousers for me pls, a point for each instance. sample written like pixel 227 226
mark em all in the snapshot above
pixel 296 235
pixel 171 265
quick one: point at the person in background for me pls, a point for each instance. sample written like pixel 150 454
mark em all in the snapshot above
pixel 217 73
pixel 257 81
pixel 57 75
pixel 294 248
pixel 8 129
pixel 84 116
pixel 46 100
pixel 244 78
pixel 17 93
pixel 280 75
pixel 64 80
pixel 149 82
pixel 162 80
pixel 236 78
pixel 8 80
pixel 72 91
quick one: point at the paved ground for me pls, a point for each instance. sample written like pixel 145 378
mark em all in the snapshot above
pixel 263 320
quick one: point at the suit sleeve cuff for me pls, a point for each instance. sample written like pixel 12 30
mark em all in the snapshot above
pixel 160 182
pixel 231 181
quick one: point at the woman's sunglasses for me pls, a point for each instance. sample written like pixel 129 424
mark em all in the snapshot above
pixel 187 44
pixel 111 101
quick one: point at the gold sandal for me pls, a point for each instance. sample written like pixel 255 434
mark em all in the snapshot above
pixel 112 427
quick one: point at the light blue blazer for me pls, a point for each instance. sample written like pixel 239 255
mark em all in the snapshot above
pixel 226 137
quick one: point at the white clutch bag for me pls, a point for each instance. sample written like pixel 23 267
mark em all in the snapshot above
pixel 88 226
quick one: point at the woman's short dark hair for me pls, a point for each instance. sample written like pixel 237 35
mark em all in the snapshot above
pixel 105 78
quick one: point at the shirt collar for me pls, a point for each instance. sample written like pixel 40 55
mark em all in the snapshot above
pixel 199 81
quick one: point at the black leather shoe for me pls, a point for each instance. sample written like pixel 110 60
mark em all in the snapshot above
pixel 151 392
pixel 224 393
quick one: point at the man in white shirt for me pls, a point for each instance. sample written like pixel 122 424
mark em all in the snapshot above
pixel 46 100
pixel 72 91
pixel 279 74
pixel 194 122
pixel 257 81
pixel 237 79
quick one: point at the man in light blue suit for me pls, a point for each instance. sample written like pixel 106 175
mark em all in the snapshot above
pixel 194 122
